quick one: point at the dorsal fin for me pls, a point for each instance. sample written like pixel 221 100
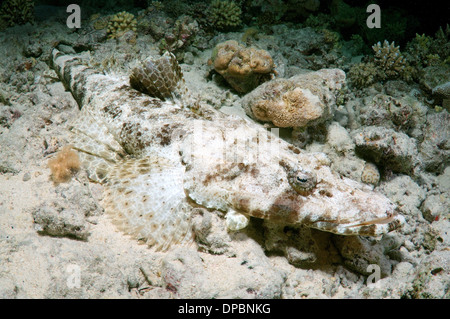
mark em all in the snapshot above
pixel 161 78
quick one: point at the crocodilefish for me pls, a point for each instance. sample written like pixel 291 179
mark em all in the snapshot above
pixel 160 153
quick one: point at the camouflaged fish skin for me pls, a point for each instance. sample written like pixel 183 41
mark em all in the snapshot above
pixel 159 157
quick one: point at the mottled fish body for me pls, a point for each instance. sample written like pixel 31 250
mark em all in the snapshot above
pixel 157 155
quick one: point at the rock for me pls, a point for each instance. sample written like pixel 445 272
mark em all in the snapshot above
pixel 444 180
pixel 393 286
pixel 434 76
pixel 67 214
pixel 405 192
pixel 359 253
pixel 299 101
pixel 431 278
pixel 85 271
pixel 434 206
pixel 8 289
pixel 339 138
pixel 66 49
pixel 340 148
pixel 189 58
pixel 349 166
pixel 387 148
pixel 408 196
pixel 128 37
pixel 435 148
pixel 33 49
pixel 156 25
pixel 295 243
pixel 59 222
pixel 442 226
pixel 309 43
pixel 302 284
pixel 26 177
pixel 302 246
pixel 210 232
pixel 90 40
pixel 403 114
pixel 77 194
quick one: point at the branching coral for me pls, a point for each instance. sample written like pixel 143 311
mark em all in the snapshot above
pixel 225 15
pixel 243 68
pixel 389 59
pixel 14 12
pixel 121 23
pixel 331 38
pixel 418 49
pixel 425 50
pixel 363 74
pixel 387 64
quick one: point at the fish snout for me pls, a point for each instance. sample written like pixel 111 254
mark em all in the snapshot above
pixel 367 225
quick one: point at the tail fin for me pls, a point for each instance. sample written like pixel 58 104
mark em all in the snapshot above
pixel 72 73
pixel 161 78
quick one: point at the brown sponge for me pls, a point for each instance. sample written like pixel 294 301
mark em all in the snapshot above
pixel 64 165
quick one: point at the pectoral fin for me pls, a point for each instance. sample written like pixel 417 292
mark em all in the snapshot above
pixel 145 199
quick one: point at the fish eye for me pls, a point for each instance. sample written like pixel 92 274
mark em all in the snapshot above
pixel 301 181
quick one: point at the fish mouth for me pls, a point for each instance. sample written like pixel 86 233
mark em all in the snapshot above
pixel 377 221
pixel 373 227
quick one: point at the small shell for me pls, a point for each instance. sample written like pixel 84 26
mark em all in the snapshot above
pixel 370 174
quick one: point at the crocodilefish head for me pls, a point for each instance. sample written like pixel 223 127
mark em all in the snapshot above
pixel 283 186
pixel 319 198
